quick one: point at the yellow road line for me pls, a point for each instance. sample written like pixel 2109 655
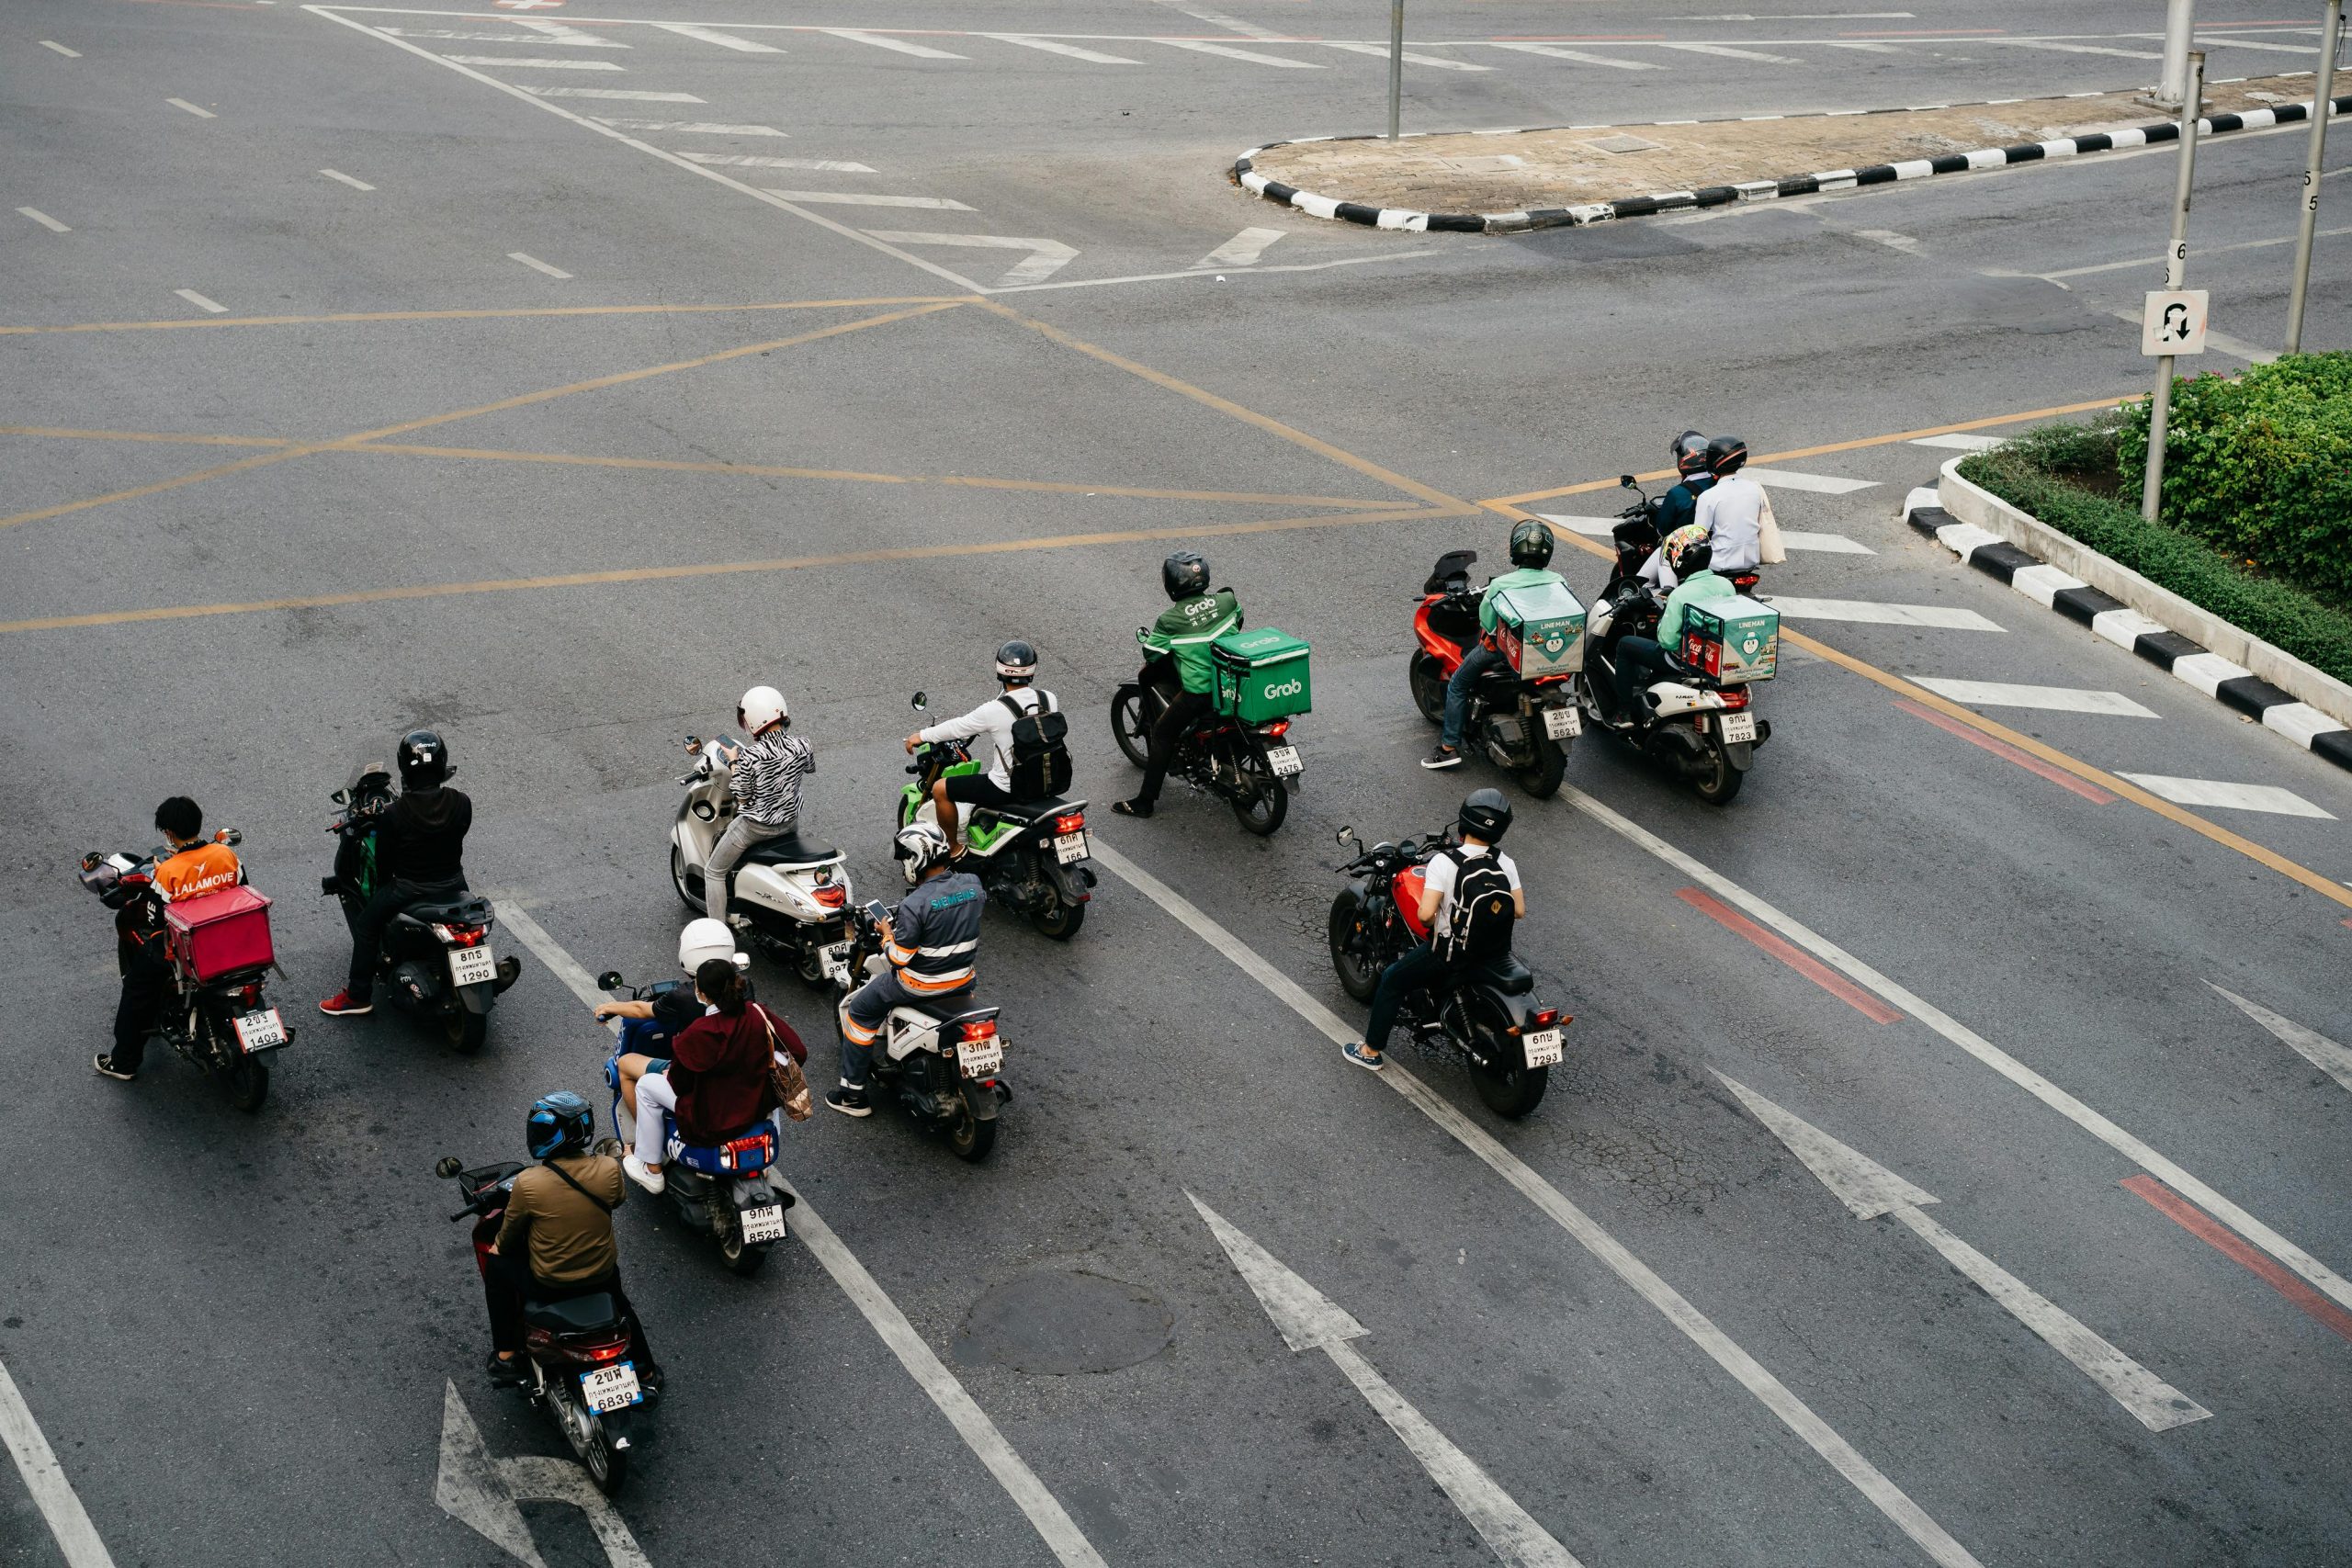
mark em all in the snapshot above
pixel 210 322
pixel 286 454
pixel 1501 502
pixel 166 437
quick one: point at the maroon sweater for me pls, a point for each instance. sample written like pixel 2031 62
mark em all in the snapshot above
pixel 719 1065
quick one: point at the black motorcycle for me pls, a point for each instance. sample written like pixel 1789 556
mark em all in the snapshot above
pixel 941 1059
pixel 1250 767
pixel 1029 855
pixel 436 960
pixel 1488 1012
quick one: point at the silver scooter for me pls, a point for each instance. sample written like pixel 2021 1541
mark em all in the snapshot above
pixel 795 890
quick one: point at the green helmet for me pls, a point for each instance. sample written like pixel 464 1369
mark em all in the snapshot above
pixel 1530 545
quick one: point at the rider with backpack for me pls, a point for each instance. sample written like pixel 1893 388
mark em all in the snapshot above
pixel 1029 753
pixel 1470 900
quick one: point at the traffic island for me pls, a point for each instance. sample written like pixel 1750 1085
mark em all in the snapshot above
pixel 1500 182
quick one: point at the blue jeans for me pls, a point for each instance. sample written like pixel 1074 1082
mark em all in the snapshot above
pixel 1474 663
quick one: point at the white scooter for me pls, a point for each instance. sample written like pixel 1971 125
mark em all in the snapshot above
pixel 1703 732
pixel 943 1060
pixel 794 890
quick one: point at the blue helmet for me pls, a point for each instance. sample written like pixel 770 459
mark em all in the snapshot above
pixel 560 1123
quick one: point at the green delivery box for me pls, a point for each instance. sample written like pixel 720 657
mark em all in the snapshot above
pixel 1261 675
pixel 1732 640
pixel 1540 628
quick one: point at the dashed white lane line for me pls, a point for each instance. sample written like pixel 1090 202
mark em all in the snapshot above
pixel 1866 47
pixel 2226 797
pixel 2317 1049
pixel 1055 46
pixel 525 62
pixel 211 306
pixel 2057 699
pixel 712 35
pixel 1891 240
pixel 442 35
pixel 1242 250
pixel 45 220
pixel 763 160
pixel 895 45
pixel 1726 51
pixel 1960 441
pixel 625 95
pixel 1820 484
pixel 1556 1205
pixel 1252 55
pixel 863 198
pixel 339 177
pixel 1554 51
pixel 536 264
pixel 2073 47
pixel 59 47
pixel 78 1537
pixel 692 128
pixel 1950 616
pixel 1380 51
pixel 183 103
pixel 565 33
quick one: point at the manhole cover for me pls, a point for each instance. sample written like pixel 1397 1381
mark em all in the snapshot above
pixel 1058 1322
pixel 1623 144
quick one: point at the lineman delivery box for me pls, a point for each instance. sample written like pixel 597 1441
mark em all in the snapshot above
pixel 1732 640
pixel 1261 675
pixel 1540 628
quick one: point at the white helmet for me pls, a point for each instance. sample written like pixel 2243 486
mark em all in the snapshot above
pixel 920 846
pixel 761 706
pixel 705 940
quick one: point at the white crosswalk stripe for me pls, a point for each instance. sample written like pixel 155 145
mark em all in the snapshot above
pixel 859 198
pixel 1728 52
pixel 626 95
pixel 895 45
pixel 1242 250
pixel 1865 47
pixel 527 63
pixel 2304 50
pixel 2073 47
pixel 1554 51
pixel 2229 796
pixel 565 33
pixel 1045 256
pixel 1824 544
pixel 1252 55
pixel 1958 441
pixel 1056 46
pixel 689 127
pixel 1380 51
pixel 1820 484
pixel 760 161
pixel 1951 616
pixel 712 35
pixel 2057 699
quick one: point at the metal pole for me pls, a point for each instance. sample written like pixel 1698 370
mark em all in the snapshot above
pixel 2333 32
pixel 2176 274
pixel 2180 30
pixel 1396 62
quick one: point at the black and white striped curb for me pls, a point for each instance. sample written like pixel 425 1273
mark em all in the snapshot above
pixel 2232 685
pixel 1522 221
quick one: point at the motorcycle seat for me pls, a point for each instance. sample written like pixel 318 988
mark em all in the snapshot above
pixel 1027 811
pixel 943 1008
pixel 574 1314
pixel 1508 974
pixel 793 848
pixel 447 911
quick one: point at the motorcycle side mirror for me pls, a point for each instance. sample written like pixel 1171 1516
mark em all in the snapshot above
pixel 610 980
pixel 1347 835
pixel 341 797
pixel 1626 480
pixel 228 836
pixel 921 701
pixel 447 1166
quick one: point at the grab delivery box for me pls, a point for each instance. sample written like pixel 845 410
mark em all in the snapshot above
pixel 1732 640
pixel 1261 675
pixel 1540 628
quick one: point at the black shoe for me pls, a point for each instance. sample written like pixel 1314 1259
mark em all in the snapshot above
pixel 106 1069
pixel 649 1384
pixel 506 1372
pixel 1138 806
pixel 849 1102
pixel 1443 757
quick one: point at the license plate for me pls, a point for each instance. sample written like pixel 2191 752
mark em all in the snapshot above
pixel 764 1224
pixel 1736 727
pixel 260 1031
pixel 473 966
pixel 979 1061
pixel 610 1388
pixel 834 960
pixel 1068 847
pixel 1284 761
pixel 1543 1048
pixel 1562 724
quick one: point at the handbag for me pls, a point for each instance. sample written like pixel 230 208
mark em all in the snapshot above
pixel 1771 548
pixel 786 1080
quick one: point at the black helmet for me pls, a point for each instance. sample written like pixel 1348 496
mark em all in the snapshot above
pixel 1486 815
pixel 1530 545
pixel 423 759
pixel 1016 663
pixel 1725 454
pixel 1689 450
pixel 560 1123
pixel 1185 574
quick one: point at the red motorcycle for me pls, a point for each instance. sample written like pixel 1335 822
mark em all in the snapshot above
pixel 1518 721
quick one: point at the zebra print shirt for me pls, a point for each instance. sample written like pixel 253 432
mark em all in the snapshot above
pixel 767 774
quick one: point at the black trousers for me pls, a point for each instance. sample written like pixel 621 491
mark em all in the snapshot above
pixel 367 928
pixel 1419 970
pixel 508 1282
pixel 1173 724
pixel 147 987
pixel 1640 664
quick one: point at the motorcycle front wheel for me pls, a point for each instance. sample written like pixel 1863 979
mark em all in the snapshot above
pixel 1260 800
pixel 1131 725
pixel 1352 959
pixel 1428 688
pixel 678 878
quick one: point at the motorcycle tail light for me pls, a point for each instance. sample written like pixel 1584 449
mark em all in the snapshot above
pixel 974 1033
pixel 1274 728
pixel 250 995
pixel 831 898
pixel 460 936
pixel 609 1352
pixel 741 1151
pixel 1735 698
pixel 1549 680
pixel 1546 1017
pixel 1069 822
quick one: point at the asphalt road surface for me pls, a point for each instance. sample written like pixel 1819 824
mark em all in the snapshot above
pixel 369 366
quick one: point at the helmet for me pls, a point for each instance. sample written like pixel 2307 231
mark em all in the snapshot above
pixel 1016 662
pixel 761 706
pixel 1690 452
pixel 1486 814
pixel 1530 543
pixel 1689 550
pixel 1725 454
pixel 1185 574
pixel 703 941
pixel 423 759
pixel 560 1123
pixel 920 846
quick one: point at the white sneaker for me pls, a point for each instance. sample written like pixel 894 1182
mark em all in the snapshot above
pixel 643 1175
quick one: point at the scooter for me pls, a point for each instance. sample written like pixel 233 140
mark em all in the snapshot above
pixel 1251 767
pixel 577 1349
pixel 792 889
pixel 1523 722
pixel 1031 856
pixel 721 1188
pixel 943 1060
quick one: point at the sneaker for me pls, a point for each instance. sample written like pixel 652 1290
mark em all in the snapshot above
pixel 505 1371
pixel 1135 807
pixel 849 1102
pixel 1363 1055
pixel 1443 757
pixel 340 1005
pixel 106 1069
pixel 644 1174
pixel 740 922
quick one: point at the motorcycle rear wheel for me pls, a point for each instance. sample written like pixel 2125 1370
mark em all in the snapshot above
pixel 605 1465
pixel 1721 782
pixel 743 1259
pixel 1129 725
pixel 1542 778
pixel 1510 1092
pixel 1059 919
pixel 1428 688
pixel 1359 972
pixel 1260 801
pixel 466 1030
pixel 249 1083
pixel 971 1138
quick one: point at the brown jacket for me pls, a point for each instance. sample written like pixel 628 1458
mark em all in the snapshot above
pixel 570 1238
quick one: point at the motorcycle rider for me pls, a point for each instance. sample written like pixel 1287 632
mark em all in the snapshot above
pixel 420 855
pixel 1530 559
pixel 1733 510
pixel 1642 660
pixel 557 1241
pixel 1483 818
pixel 190 867
pixel 1016 671
pixel 929 943
pixel 767 770
pixel 658 1020
pixel 716 1081
pixel 1193 619
pixel 1678 508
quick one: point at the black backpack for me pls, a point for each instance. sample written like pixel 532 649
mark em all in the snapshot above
pixel 1479 920
pixel 1040 750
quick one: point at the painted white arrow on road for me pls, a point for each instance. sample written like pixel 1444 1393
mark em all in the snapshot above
pixel 480 1492
pixel 1307 1320
pixel 2317 1049
pixel 1047 257
pixel 1871 1190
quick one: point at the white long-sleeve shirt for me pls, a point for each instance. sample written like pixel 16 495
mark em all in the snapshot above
pixel 993 719
pixel 1731 512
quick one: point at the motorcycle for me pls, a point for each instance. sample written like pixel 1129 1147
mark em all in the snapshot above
pixel 1521 722
pixel 792 889
pixel 943 1059
pixel 436 960
pixel 1488 1012
pixel 721 1188
pixel 577 1351
pixel 1250 767
pixel 1030 857
pixel 219 948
